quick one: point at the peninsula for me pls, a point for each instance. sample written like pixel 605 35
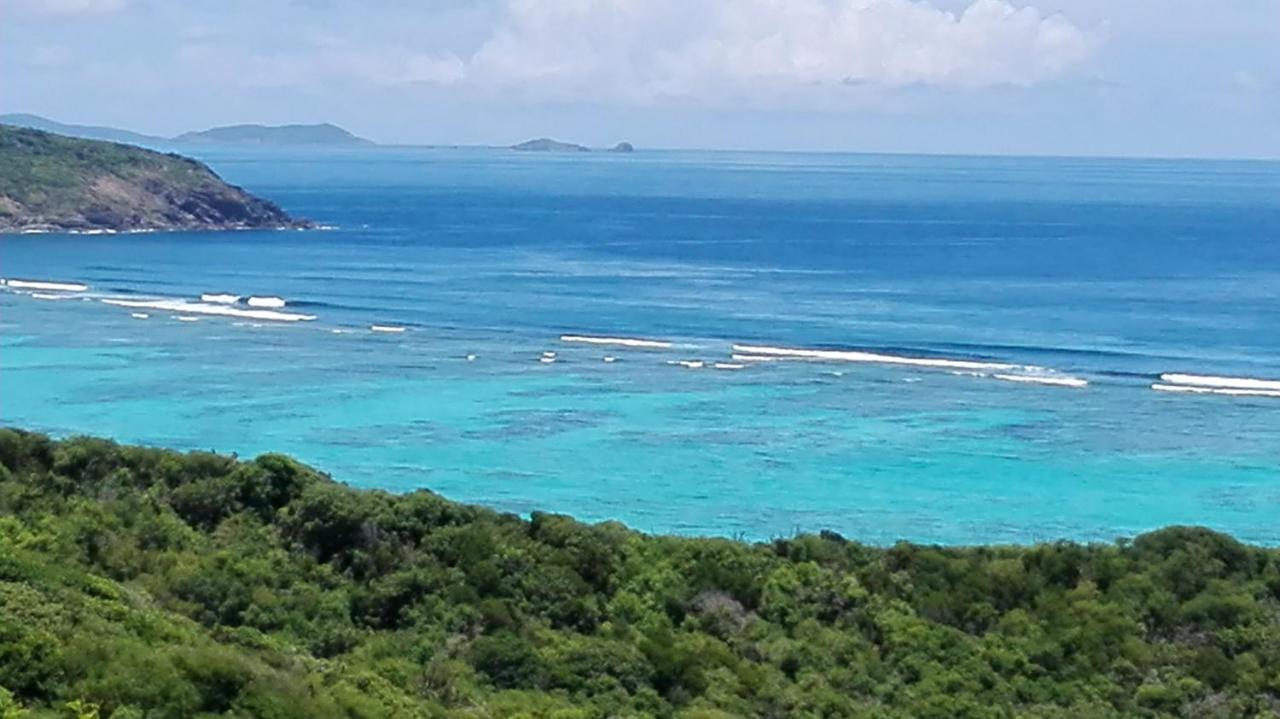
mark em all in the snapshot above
pixel 52 183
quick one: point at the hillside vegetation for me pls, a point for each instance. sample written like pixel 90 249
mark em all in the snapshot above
pixel 50 182
pixel 146 583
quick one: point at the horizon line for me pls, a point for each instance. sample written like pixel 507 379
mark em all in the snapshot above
pixel 374 144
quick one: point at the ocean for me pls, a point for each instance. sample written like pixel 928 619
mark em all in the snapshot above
pixel 950 350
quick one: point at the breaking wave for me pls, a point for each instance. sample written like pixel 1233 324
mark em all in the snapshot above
pixel 869 357
pixel 1211 382
pixel 201 308
pixel 275 302
pixel 617 341
pixel 1054 381
pixel 386 328
pixel 45 285
pixel 1230 391
pixel 220 299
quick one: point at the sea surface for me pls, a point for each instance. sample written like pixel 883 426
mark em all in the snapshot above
pixel 941 349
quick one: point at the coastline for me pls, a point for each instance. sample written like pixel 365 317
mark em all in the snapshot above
pixel 308 227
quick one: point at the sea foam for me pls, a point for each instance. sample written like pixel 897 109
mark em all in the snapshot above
pixel 392 329
pixel 1229 391
pixel 1044 379
pixel 221 299
pixel 754 358
pixel 184 306
pixel 759 351
pixel 617 341
pixel 45 285
pixel 275 302
pixel 1246 383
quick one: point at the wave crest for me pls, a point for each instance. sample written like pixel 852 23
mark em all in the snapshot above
pixel 1053 381
pixel 867 357
pixel 274 302
pixel 617 341
pixel 1209 381
pixel 45 285
pixel 199 308
pixel 1231 392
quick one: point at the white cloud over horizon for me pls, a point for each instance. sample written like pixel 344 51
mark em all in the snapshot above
pixel 1078 76
pixel 638 50
pixel 708 51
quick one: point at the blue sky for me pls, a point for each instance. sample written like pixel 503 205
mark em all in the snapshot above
pixel 1113 77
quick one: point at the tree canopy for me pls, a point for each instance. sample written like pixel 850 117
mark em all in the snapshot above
pixel 139 582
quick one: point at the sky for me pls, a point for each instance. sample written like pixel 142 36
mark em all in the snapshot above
pixel 1061 77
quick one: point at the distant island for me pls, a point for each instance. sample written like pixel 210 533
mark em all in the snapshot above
pixel 322 134
pixel 52 183
pixel 546 144
pixel 318 134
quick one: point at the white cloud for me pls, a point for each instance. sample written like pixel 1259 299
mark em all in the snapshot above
pixel 62 8
pixel 813 54
pixel 643 49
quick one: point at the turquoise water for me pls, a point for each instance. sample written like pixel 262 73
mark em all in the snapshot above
pixel 1067 287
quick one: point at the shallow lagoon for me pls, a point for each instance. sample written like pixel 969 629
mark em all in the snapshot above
pixel 1105 272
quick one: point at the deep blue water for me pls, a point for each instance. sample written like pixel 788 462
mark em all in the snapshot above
pixel 1069 271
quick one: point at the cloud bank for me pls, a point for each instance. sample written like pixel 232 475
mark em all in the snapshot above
pixel 643 49
pixel 726 52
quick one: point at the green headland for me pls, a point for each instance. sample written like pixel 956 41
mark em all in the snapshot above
pixel 52 183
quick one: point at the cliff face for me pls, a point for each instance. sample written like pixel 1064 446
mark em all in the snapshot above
pixel 53 183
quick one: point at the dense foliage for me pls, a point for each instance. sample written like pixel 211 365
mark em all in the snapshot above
pixel 51 182
pixel 144 583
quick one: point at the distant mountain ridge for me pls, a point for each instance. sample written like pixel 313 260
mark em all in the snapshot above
pixel 88 132
pixel 321 134
pixel 298 134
